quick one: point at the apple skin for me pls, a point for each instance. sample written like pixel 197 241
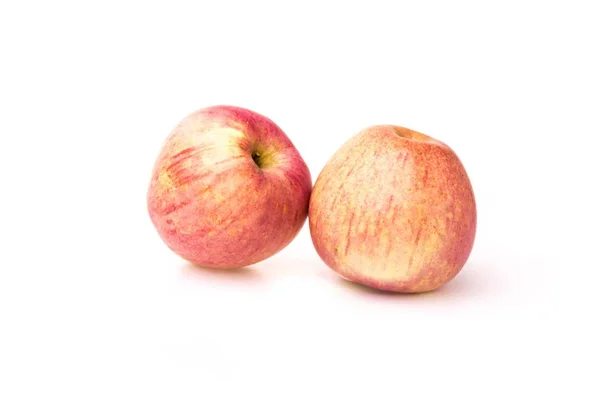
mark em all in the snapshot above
pixel 394 209
pixel 212 204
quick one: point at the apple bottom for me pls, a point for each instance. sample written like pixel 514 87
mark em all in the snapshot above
pixel 235 246
pixel 422 283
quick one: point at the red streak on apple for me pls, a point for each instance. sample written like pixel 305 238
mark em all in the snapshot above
pixel 228 189
pixel 394 209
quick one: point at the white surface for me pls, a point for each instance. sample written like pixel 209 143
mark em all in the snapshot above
pixel 93 305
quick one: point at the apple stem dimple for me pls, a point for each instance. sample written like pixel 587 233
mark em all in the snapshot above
pixel 409 134
pixel 256 158
pixel 264 157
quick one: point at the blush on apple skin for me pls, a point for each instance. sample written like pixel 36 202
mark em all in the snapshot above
pixel 228 189
pixel 394 209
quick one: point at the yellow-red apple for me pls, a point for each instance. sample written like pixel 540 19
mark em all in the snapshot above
pixel 228 189
pixel 394 209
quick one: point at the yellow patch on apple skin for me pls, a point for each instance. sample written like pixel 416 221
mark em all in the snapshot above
pixel 432 242
pixel 215 137
pixel 234 231
pixel 186 229
pixel 164 181
pixel 362 226
pixel 383 270
pixel 285 208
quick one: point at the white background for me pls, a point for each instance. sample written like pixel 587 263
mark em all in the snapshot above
pixel 94 306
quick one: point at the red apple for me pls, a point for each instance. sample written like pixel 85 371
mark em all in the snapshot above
pixel 394 209
pixel 228 189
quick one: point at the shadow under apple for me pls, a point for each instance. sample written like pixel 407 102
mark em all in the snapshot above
pixel 250 274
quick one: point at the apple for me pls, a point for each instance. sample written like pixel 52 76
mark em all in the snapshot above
pixel 228 189
pixel 394 209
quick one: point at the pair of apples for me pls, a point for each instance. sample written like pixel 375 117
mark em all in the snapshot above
pixel 393 208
